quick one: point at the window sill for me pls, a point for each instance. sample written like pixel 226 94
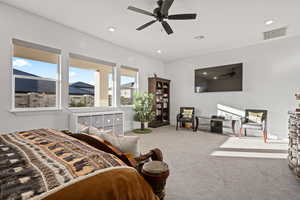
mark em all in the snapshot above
pixel 27 110
pixel 91 109
pixel 126 106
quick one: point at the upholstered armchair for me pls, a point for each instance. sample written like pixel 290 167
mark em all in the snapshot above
pixel 255 120
pixel 186 115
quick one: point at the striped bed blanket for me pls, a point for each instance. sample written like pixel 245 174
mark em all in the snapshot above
pixel 38 161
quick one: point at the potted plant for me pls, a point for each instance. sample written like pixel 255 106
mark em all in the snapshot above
pixel 142 105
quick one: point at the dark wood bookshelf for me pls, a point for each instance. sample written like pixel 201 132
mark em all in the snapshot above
pixel 160 88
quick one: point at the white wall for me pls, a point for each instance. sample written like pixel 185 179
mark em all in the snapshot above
pixel 271 78
pixel 18 24
pixel 271 73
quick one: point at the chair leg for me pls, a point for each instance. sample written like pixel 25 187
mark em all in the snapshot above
pixel 176 125
pixel 265 136
pixel 193 126
pixel 241 131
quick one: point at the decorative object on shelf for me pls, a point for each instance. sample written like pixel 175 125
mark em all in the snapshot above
pixel 186 115
pixel 298 98
pixel 294 143
pixel 98 122
pixel 142 105
pixel 160 88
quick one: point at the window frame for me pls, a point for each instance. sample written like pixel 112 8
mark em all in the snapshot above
pixel 119 82
pixel 57 81
pixel 97 61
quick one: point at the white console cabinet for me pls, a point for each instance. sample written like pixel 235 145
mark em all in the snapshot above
pixel 112 121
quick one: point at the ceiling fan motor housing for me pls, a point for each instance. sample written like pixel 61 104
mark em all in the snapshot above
pixel 158 14
pixel 157 11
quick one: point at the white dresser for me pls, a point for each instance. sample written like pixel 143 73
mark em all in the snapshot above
pixel 111 121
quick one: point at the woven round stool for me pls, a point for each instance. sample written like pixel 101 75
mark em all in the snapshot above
pixel 156 174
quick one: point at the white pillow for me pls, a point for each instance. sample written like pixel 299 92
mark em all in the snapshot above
pixel 98 132
pixel 83 128
pixel 94 131
pixel 255 117
pixel 126 144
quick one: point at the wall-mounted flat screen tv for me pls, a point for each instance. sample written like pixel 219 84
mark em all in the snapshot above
pixel 219 79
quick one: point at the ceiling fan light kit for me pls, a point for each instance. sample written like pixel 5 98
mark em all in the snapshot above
pixel 161 14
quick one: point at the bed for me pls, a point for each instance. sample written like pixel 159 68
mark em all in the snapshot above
pixel 48 164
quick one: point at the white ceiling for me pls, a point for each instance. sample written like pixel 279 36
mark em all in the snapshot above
pixel 226 24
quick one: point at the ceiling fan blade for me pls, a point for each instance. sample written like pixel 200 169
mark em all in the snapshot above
pixel 167 27
pixel 146 25
pixel 166 6
pixel 138 10
pixel 182 16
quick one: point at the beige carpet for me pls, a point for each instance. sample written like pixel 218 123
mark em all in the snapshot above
pixel 198 175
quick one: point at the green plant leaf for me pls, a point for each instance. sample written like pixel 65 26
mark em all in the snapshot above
pixel 143 107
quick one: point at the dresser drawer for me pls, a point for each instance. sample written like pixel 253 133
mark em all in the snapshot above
pixel 108 120
pixel 98 121
pixel 118 119
pixel 85 120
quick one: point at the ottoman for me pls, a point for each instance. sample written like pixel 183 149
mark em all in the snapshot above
pixel 156 174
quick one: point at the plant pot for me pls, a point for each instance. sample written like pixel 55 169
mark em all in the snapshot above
pixel 137 125
pixel 146 124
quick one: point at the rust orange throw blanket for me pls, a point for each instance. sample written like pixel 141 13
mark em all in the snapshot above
pixel 120 183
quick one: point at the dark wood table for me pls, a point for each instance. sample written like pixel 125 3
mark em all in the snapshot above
pixel 233 122
pixel 156 174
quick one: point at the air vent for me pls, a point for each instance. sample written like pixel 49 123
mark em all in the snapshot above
pixel 275 33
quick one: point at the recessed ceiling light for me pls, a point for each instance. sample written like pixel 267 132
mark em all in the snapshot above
pixel 159 51
pixel 269 22
pixel 205 73
pixel 199 37
pixel 111 29
pixel 215 77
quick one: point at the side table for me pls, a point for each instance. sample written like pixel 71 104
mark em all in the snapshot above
pixel 156 174
pixel 233 122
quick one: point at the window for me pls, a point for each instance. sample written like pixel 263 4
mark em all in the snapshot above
pixel 35 76
pixel 90 82
pixel 128 85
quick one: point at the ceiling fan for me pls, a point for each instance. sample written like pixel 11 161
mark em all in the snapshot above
pixel 161 13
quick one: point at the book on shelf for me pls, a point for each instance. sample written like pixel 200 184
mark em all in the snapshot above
pixel 161 89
